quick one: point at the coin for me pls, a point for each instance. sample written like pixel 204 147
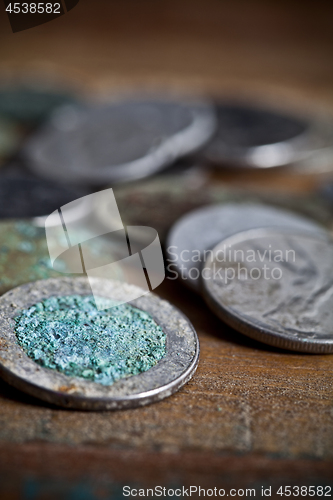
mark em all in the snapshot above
pixel 28 105
pixel 202 229
pixel 160 381
pixel 254 137
pixel 120 141
pixel 274 286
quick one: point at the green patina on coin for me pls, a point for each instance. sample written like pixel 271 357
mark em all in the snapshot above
pixel 69 334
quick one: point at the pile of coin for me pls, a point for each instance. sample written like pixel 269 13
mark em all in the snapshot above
pixel 266 272
pixel 263 270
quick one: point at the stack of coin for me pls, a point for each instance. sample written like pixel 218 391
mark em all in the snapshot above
pixel 266 272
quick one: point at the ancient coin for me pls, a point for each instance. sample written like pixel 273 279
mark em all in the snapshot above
pixel 202 229
pixel 252 137
pixel 275 286
pixel 118 142
pixel 172 369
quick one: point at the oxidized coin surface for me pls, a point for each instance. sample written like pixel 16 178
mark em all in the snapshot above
pixel 202 229
pixel 275 286
pixel 166 377
pixel 120 141
pixel 252 137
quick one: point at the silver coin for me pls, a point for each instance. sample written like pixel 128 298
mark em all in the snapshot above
pixel 160 381
pixel 118 142
pixel 202 229
pixel 274 286
pixel 254 137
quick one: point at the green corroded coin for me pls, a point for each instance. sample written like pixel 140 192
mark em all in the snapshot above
pixel 71 335
pixel 125 356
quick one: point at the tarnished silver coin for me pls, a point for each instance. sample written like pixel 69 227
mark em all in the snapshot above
pixel 119 141
pixel 248 136
pixel 274 286
pixel 202 229
pixel 166 377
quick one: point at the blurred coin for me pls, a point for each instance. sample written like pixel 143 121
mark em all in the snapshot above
pixel 120 141
pixel 254 137
pixel 274 286
pixel 22 196
pixel 29 106
pixel 202 229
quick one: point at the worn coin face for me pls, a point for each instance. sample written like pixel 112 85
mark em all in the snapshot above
pixel 118 142
pixel 254 137
pixel 274 286
pixel 160 381
pixel 202 229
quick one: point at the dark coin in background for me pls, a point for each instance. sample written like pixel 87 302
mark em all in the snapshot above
pixel 254 137
pixel 120 141
pixel 23 196
pixel 29 105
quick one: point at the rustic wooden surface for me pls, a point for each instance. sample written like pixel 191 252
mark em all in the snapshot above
pixel 252 415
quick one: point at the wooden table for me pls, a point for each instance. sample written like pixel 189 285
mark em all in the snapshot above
pixel 252 415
